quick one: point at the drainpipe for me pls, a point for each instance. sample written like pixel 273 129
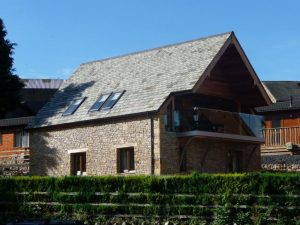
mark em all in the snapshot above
pixel 291 101
pixel 152 143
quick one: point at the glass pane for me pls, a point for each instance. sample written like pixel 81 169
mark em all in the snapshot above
pixel 17 139
pixel 116 96
pixel 276 123
pixel 73 107
pixel 83 162
pixel 25 139
pixel 97 105
pixel 123 160
pixel 112 100
pixel 77 102
pixel 132 159
pixel 212 120
pixel 79 163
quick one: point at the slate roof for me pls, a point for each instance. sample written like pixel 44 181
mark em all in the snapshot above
pixel 148 77
pixel 282 92
pixel 42 83
pixel 281 106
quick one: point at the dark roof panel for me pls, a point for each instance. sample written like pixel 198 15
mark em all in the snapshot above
pixel 281 106
pixel 282 90
pixel 42 83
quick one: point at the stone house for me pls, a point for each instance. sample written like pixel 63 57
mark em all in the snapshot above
pixel 281 150
pixel 14 139
pixel 174 109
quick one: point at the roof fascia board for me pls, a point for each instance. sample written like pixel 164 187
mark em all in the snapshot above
pixel 93 121
pixel 271 96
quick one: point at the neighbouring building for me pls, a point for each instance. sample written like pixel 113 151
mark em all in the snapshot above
pixel 14 139
pixel 281 150
pixel 174 109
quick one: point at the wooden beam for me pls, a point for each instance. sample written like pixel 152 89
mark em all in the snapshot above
pixel 212 64
pixel 250 68
pixel 221 136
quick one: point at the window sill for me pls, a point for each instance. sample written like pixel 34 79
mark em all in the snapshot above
pixel 127 172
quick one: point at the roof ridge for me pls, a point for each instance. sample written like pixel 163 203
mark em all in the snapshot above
pixel 41 79
pixel 156 48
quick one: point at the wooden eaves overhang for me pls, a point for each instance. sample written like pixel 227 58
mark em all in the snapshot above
pixel 220 71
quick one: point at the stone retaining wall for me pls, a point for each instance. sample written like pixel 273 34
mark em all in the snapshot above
pixel 290 163
pixel 14 165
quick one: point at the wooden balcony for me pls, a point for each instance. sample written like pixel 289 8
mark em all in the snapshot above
pixel 281 140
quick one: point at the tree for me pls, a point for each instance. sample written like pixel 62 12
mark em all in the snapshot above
pixel 10 84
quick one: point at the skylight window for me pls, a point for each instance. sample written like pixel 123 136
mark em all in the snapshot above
pixel 99 103
pixel 73 107
pixel 112 100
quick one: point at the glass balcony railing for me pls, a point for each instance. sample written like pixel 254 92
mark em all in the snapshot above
pixel 211 120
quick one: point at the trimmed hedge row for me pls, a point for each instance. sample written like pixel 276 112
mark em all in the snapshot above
pixel 141 198
pixel 253 183
pixel 255 198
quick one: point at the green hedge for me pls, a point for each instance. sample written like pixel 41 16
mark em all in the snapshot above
pixel 255 198
pixel 254 183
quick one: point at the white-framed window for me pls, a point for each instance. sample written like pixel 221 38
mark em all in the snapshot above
pixel 21 139
pixel 126 162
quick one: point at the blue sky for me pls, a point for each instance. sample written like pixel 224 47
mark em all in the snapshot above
pixel 55 36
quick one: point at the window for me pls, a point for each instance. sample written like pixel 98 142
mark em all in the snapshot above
pixel 21 139
pixel 126 160
pixel 73 107
pixel 276 123
pixel 169 118
pixel 18 139
pixel 112 100
pixel 99 103
pixel 78 164
pixel 25 139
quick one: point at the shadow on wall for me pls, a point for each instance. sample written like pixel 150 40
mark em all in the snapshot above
pixel 45 159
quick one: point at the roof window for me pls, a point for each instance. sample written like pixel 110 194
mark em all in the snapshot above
pixel 73 107
pixel 112 100
pixel 99 103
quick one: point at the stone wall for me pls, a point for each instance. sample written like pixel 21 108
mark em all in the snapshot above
pixel 14 165
pixel 216 156
pixel 50 147
pixel 203 155
pixel 169 150
pixel 286 163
